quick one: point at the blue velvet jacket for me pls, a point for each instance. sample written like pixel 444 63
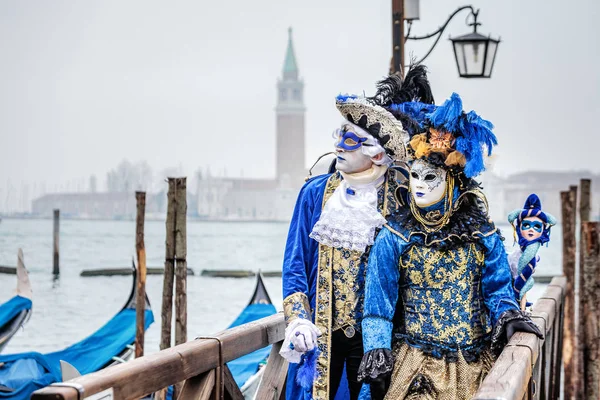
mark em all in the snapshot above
pixel 438 295
pixel 299 274
pixel 304 273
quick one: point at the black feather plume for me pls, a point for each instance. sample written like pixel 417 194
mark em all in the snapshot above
pixel 414 87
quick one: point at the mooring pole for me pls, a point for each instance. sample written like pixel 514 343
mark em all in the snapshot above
pixel 590 298
pixel 56 232
pixel 181 260
pixel 140 249
pixel 167 303
pixel 585 186
pixel 168 277
pixel 569 202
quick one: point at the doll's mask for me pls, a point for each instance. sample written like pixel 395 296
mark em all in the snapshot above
pixel 427 183
pixel 531 228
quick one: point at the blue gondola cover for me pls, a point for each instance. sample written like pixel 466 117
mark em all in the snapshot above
pixel 12 308
pixel 27 372
pixel 246 366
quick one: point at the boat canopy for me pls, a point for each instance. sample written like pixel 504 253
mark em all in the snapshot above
pixel 26 372
pixel 12 308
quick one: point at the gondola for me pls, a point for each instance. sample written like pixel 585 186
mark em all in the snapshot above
pixel 247 370
pixel 16 311
pixel 21 374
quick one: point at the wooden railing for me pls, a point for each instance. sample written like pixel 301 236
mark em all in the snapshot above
pixel 200 363
pixel 530 368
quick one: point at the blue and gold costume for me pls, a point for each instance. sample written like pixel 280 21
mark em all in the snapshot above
pixel 322 283
pixel 439 293
pixel 439 301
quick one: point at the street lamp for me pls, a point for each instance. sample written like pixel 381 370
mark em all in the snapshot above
pixel 474 53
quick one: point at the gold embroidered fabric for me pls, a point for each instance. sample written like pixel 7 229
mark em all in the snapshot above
pixel 296 305
pixel 419 376
pixel 346 290
pixel 343 265
pixel 443 302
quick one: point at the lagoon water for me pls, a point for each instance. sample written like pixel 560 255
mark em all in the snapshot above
pixel 70 308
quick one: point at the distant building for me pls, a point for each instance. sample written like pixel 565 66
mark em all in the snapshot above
pixel 506 195
pixel 266 199
pixel 101 205
pixel 86 205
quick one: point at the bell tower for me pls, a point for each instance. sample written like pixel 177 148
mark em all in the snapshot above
pixel 290 111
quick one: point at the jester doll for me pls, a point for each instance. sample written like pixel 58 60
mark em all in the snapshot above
pixel 439 301
pixel 335 222
pixel 532 228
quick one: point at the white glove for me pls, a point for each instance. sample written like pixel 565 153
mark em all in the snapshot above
pixel 300 336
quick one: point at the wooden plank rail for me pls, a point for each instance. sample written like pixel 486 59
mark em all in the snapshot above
pixel 529 368
pixel 148 374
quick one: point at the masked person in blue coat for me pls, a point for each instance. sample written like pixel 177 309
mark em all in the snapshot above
pixel 439 301
pixel 335 221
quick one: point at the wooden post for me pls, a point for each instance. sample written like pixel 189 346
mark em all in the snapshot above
pixel 590 299
pixel 398 37
pixel 140 304
pixel 584 216
pixel 167 303
pixel 175 262
pixel 568 200
pixel 181 258
pixel 56 231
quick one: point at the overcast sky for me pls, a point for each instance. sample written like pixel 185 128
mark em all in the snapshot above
pixel 188 84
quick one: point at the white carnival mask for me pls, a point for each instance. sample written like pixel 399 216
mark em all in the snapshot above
pixel 357 150
pixel 427 183
pixel 349 157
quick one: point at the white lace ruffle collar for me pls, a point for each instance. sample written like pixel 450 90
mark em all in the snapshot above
pixel 350 216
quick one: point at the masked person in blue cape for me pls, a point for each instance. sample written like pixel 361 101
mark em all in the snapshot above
pixel 335 221
pixel 532 228
pixel 439 301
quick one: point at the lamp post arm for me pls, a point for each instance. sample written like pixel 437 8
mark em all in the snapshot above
pixel 441 30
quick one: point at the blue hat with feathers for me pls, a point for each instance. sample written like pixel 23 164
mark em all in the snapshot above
pixel 457 138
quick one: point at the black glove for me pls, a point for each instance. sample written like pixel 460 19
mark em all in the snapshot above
pixel 522 326
pixel 376 369
pixel 380 386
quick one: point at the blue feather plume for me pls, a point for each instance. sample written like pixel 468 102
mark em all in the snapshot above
pixel 416 110
pixel 447 116
pixel 472 132
pixel 341 98
pixel 307 370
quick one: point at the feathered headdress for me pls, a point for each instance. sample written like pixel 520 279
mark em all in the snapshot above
pixel 454 138
pixel 391 127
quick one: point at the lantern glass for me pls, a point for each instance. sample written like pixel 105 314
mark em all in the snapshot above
pixel 475 55
pixel 490 57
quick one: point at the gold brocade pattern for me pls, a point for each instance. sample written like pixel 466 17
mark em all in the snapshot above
pixel 442 297
pixel 296 305
pixel 346 264
pixel 420 376
pixel 346 287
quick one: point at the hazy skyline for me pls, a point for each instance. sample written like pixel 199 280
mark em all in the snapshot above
pixel 84 85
